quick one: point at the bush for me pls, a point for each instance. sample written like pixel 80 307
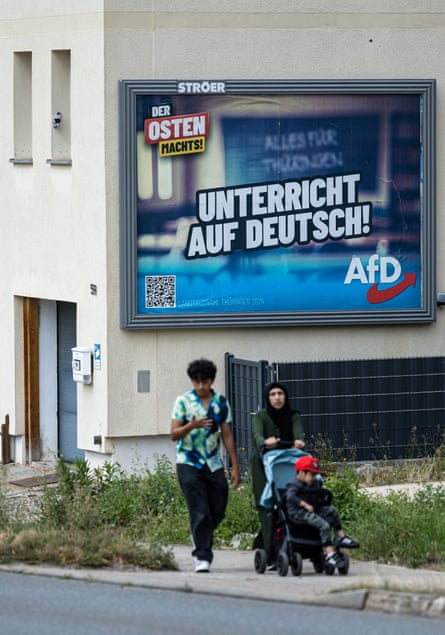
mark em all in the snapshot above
pixel 348 497
pixel 401 530
pixel 241 517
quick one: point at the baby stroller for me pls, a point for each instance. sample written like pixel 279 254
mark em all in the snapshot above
pixel 292 541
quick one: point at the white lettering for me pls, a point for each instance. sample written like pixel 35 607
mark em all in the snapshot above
pixel 388 262
pixel 373 266
pixel 321 231
pixel 390 270
pixel 355 271
pixel 336 229
pixel 211 239
pixel 196 243
pixel 254 234
pixel 258 197
pixel 161 111
pixel 204 87
pixel 270 232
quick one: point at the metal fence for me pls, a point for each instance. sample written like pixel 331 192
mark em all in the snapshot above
pixel 245 382
pixel 368 409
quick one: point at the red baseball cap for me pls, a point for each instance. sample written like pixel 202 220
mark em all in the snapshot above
pixel 307 464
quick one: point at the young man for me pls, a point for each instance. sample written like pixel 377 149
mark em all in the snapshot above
pixel 307 500
pixel 201 417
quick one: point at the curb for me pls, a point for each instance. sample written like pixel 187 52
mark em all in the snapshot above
pixel 421 604
pixel 416 604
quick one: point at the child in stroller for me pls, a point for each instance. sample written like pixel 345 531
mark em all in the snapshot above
pixel 294 539
pixel 308 501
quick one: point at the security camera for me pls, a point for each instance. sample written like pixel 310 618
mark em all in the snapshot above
pixel 440 298
pixel 57 120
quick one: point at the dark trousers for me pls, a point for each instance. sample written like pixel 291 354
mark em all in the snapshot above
pixel 326 519
pixel 206 494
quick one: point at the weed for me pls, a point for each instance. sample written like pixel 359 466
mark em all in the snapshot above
pixel 241 516
pixel 401 530
pixel 323 448
pixel 349 498
pixel 4 515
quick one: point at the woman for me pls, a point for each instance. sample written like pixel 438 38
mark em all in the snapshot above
pixel 278 426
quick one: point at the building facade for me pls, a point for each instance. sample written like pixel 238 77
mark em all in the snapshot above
pixel 64 164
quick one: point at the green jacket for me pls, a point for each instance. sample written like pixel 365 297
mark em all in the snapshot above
pixel 262 428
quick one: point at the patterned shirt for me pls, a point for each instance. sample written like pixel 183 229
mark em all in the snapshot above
pixel 200 446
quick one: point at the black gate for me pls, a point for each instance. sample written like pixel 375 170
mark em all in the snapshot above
pixel 367 409
pixel 245 382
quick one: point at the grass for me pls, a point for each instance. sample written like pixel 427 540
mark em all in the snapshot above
pixel 92 518
pixel 397 528
pixel 394 529
pixel 403 530
pixel 104 517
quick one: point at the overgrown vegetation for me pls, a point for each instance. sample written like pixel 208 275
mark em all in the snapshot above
pixel 105 517
pixel 424 459
pixel 399 529
pixel 96 518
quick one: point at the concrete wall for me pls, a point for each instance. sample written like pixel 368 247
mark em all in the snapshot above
pixel 62 223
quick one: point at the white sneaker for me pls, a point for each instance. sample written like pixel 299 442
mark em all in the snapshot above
pixel 202 566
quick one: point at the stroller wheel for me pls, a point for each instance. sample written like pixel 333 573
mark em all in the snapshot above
pixel 343 570
pixel 296 564
pixel 329 569
pixel 260 561
pixel 318 563
pixel 282 564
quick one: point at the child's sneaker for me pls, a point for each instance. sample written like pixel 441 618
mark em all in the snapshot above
pixel 347 542
pixel 334 560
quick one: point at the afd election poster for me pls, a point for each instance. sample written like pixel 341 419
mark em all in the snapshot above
pixel 274 204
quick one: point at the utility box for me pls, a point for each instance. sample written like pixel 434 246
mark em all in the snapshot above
pixel 81 364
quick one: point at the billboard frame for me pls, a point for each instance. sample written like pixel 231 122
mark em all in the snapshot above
pixel 130 90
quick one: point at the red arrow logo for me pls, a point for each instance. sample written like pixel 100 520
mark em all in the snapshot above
pixel 377 296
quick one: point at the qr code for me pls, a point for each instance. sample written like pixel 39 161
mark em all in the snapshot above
pixel 160 292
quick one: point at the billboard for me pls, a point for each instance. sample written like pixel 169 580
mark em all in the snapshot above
pixel 268 203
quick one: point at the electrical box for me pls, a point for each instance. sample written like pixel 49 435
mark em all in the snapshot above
pixel 81 364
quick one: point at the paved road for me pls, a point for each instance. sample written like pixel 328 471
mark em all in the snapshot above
pixel 50 606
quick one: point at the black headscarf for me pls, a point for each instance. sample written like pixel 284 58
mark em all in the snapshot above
pixel 282 417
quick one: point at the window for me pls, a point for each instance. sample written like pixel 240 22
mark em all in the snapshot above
pixel 22 107
pixel 61 107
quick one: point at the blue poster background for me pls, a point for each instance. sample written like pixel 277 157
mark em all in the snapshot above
pixel 275 140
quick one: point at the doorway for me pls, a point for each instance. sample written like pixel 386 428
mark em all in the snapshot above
pixel 50 394
pixel 66 387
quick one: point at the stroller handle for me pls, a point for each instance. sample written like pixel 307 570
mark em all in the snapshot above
pixel 282 445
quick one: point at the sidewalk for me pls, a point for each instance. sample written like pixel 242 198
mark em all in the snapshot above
pixel 368 586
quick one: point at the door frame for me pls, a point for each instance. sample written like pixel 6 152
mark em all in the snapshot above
pixel 31 378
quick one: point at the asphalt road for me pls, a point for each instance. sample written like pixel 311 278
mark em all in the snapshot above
pixel 49 606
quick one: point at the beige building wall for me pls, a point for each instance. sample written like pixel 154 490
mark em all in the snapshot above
pixel 60 224
pixel 53 192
